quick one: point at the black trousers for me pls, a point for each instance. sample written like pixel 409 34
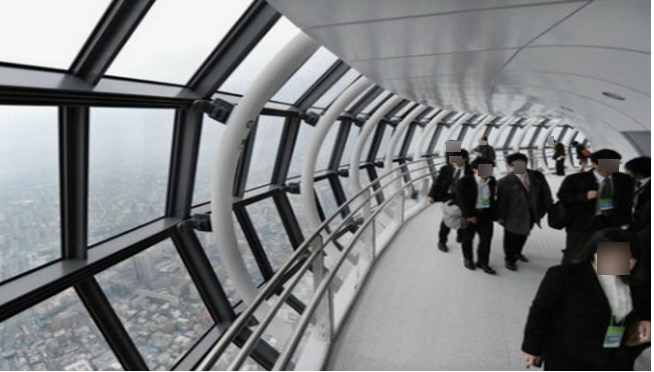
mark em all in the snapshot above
pixel 483 228
pixel 560 167
pixel 575 240
pixel 444 232
pixel 618 360
pixel 513 245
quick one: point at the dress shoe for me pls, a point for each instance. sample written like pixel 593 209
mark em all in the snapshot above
pixel 522 258
pixel 443 247
pixel 487 269
pixel 511 266
pixel 469 265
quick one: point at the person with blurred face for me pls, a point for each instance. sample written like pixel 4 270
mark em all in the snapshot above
pixel 597 199
pixel 485 150
pixel 475 196
pixel 584 316
pixel 523 198
pixel 559 157
pixel 641 170
pixel 444 188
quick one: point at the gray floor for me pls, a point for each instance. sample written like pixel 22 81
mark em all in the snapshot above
pixel 422 310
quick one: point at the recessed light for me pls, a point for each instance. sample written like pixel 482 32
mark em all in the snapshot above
pixel 614 96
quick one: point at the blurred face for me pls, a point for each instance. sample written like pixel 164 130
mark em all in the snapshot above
pixel 605 167
pixel 614 259
pixel 519 167
pixel 484 171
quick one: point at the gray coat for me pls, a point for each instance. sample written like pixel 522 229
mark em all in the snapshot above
pixel 517 209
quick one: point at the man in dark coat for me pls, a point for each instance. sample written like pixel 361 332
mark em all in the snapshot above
pixel 475 195
pixel 523 198
pixel 595 200
pixel 444 188
pixel 641 170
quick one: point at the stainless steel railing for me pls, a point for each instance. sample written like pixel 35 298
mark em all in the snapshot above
pixel 320 311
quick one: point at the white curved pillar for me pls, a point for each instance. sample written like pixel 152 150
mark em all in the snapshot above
pixel 525 130
pixel 355 158
pixel 498 133
pixel 274 75
pixel 400 131
pixel 320 132
pixel 462 120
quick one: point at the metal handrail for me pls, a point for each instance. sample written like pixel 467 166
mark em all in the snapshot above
pixel 287 354
pixel 272 286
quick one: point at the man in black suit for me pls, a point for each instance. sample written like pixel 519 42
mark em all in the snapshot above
pixel 641 170
pixel 523 198
pixel 475 195
pixel 444 188
pixel 594 200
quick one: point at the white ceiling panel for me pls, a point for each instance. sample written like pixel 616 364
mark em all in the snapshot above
pixel 611 65
pixel 317 13
pixel 511 58
pixel 448 33
pixel 623 24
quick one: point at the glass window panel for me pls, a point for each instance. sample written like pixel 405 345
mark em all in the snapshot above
pixel 350 142
pixel 299 152
pixel 327 199
pixel 268 223
pixel 239 81
pixel 338 88
pixel 264 154
pixel 155 298
pixel 175 38
pixel 306 76
pixel 212 132
pixel 527 139
pixel 365 154
pixel 376 102
pixel 386 138
pixel 400 143
pixel 57 334
pixel 29 189
pixel 504 135
pixel 568 137
pixel 211 248
pixel 129 164
pixel 301 213
pixel 327 148
pixel 415 141
pixel 47 33
pixel 404 110
pixel 360 97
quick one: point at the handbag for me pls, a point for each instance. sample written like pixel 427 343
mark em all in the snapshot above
pixel 557 216
pixel 452 215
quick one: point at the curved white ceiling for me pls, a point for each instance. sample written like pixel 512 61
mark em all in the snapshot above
pixel 525 58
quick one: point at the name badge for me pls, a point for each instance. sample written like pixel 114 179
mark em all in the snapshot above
pixel 484 203
pixel 606 204
pixel 613 337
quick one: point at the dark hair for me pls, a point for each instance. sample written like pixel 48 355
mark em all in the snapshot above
pixel 465 154
pixel 517 156
pixel 475 163
pixel 484 138
pixel 612 235
pixel 574 143
pixel 604 154
pixel 641 166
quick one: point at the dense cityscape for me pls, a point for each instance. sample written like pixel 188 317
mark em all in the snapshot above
pixel 152 293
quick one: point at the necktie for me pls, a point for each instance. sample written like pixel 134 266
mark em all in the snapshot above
pixel 525 181
pixel 457 174
pixel 606 193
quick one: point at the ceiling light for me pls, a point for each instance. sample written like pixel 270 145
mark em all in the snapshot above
pixel 614 96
